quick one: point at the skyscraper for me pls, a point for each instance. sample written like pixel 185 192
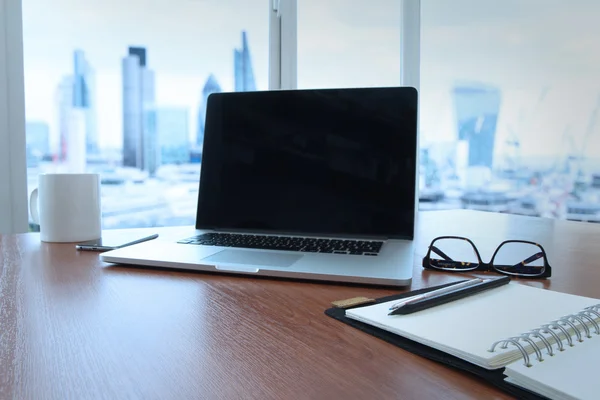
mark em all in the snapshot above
pixel 138 97
pixel 242 66
pixel 150 148
pixel 81 89
pixel 73 123
pixel 477 107
pixel 64 101
pixel 211 86
pixel 140 52
pixel 84 98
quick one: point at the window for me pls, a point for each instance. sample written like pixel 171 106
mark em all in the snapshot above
pixel 510 96
pixel 120 89
pixel 348 44
pixel 508 91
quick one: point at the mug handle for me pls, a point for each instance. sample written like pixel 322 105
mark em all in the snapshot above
pixel 33 206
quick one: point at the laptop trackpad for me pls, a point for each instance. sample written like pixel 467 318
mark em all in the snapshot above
pixel 266 258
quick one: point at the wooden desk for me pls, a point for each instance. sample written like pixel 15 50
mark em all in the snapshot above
pixel 73 327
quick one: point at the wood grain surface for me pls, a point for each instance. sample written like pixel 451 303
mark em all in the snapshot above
pixel 72 327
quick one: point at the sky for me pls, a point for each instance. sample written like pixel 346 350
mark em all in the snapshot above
pixel 525 48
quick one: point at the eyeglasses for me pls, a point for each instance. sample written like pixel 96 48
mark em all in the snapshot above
pixel 519 258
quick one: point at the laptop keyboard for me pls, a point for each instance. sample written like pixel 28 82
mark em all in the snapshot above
pixel 302 244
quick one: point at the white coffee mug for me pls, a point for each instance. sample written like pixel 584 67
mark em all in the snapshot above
pixel 67 207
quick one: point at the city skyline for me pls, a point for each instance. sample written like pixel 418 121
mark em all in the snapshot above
pixel 519 54
pixel 182 65
pixel 76 96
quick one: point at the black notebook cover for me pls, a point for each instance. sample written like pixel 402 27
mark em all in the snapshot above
pixel 494 377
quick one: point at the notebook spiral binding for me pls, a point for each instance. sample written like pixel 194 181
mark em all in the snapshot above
pixel 563 329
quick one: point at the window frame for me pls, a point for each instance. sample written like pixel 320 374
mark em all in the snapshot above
pixel 410 43
pixel 13 167
pixel 283 39
pixel 410 68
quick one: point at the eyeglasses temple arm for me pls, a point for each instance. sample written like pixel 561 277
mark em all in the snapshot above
pixel 441 253
pixel 526 261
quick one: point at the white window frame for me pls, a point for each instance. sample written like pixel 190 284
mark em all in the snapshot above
pixel 410 65
pixel 410 43
pixel 283 57
pixel 284 43
pixel 13 167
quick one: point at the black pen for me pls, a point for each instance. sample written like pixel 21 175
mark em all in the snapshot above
pixel 434 293
pixel 417 304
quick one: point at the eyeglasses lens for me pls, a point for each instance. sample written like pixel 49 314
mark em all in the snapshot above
pixel 453 254
pixel 524 259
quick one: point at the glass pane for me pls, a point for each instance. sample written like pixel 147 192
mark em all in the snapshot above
pixel 119 88
pixel 510 94
pixel 520 259
pixel 348 43
pixel 455 254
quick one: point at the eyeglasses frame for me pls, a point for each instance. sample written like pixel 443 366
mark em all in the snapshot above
pixel 489 267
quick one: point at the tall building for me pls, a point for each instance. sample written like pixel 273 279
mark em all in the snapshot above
pixel 81 89
pixel 242 67
pixel 138 98
pixel 77 92
pixel 211 86
pixel 64 101
pixel 150 148
pixel 73 123
pixel 84 98
pixel 132 112
pixel 477 107
pixel 140 52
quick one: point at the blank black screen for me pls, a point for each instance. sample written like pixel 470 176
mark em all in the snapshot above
pixel 330 161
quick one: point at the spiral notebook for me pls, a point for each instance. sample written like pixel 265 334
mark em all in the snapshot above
pixel 523 325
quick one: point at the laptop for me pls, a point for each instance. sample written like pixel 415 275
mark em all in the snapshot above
pixel 310 184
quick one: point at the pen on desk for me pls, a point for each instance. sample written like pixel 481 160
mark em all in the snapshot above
pixel 418 303
pixel 434 293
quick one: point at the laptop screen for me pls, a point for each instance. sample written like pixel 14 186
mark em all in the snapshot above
pixel 326 161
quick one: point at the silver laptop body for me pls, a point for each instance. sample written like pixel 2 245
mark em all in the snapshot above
pixel 307 184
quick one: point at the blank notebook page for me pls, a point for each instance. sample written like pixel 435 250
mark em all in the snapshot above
pixel 570 374
pixel 468 327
